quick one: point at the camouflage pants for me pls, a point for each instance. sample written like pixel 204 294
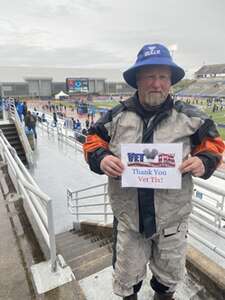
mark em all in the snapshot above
pixel 165 252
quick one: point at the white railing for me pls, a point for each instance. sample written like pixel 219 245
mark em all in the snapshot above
pixel 65 134
pixel 21 132
pixel 38 202
pixel 209 201
pixel 209 211
pixel 99 192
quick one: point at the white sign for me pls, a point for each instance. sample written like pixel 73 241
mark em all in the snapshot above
pixel 151 165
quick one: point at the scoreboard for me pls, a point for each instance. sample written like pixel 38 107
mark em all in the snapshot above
pixel 75 85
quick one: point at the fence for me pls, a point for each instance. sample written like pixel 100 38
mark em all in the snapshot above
pixel 209 213
pixel 40 205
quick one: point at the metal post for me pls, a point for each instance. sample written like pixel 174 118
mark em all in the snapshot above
pixel 218 218
pixel 105 205
pixel 221 206
pixel 77 208
pixel 75 139
pixel 51 236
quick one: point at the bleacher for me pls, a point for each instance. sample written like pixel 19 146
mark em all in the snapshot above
pixel 210 83
pixel 205 88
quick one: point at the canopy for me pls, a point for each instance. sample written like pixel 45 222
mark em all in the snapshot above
pixel 61 95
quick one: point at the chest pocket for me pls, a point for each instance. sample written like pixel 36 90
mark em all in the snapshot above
pixel 128 129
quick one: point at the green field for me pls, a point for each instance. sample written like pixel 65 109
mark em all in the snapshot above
pixel 218 117
pixel 105 104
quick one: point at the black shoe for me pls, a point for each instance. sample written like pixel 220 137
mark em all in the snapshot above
pixel 131 297
pixel 168 296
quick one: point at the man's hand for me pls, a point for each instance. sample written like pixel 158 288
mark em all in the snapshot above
pixel 112 166
pixel 193 165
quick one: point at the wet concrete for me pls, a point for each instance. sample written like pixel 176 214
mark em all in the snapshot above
pixel 58 167
pixel 14 283
pixel 99 286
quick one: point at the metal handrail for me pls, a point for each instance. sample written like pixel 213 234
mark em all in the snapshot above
pixel 39 203
pixel 21 132
pixel 65 137
pixel 217 190
pixel 74 198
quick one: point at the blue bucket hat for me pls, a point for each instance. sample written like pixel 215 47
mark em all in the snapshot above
pixel 153 55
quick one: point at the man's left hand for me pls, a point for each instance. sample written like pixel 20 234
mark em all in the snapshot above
pixel 193 165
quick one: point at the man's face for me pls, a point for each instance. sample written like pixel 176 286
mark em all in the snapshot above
pixel 153 85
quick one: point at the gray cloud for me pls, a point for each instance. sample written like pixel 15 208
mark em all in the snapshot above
pixel 65 8
pixel 60 57
pixel 104 33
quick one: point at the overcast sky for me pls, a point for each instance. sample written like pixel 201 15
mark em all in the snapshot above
pixel 109 33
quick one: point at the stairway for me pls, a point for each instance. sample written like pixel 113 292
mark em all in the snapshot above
pixel 85 253
pixel 12 136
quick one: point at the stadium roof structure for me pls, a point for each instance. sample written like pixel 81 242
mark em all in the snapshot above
pixel 216 69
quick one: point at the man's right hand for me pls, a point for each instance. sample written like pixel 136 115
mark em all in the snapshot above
pixel 112 166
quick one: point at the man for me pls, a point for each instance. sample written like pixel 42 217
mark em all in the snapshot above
pixel 150 225
pixel 30 122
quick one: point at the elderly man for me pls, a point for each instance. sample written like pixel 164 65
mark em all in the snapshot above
pixel 150 225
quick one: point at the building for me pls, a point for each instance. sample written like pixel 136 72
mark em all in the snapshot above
pixel 14 89
pixel 58 87
pixel 210 71
pixel 39 87
pixel 35 81
pixel 44 83
pixel 45 87
pixel 119 88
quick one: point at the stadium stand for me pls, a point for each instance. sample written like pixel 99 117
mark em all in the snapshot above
pixel 210 83
pixel 214 88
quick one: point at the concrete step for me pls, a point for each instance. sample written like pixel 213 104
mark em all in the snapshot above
pixel 75 243
pixel 72 252
pixel 7 125
pixel 20 151
pixel 93 266
pixel 87 257
pixel 12 137
pixel 10 134
pixel 70 236
pixel 17 147
pixel 9 130
pixel 15 142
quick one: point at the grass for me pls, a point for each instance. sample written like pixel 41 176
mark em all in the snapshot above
pixel 105 104
pixel 218 117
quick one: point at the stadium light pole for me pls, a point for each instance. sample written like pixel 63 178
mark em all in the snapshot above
pixel 173 48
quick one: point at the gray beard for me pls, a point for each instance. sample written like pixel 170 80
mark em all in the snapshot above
pixel 153 99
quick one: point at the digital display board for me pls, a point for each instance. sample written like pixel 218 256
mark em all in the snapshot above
pixel 77 85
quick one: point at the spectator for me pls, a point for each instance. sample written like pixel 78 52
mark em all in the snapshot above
pixel 30 122
pixel 55 120
pixel 150 225
pixel 87 123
